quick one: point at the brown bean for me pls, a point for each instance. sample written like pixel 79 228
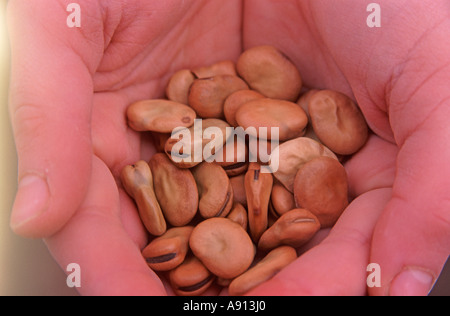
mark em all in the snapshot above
pixel 223 246
pixel 258 187
pixel 338 122
pixel 188 147
pixel 191 278
pixel 294 228
pixel 207 96
pixel 161 116
pixel 234 101
pixel 238 185
pixel 159 140
pixel 292 154
pixel 169 250
pixel 263 271
pixel 287 116
pixel 233 156
pixel 321 186
pixel 175 189
pixel 214 188
pixel 270 72
pixel 137 180
pixel 238 214
pixel 281 199
pixel 179 84
pixel 260 149
pixel 225 67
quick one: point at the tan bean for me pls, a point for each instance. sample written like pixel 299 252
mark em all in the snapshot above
pixel 281 199
pixel 292 154
pixel 137 180
pixel 191 278
pixel 214 188
pixel 287 116
pixel 207 96
pixel 338 122
pixel 258 187
pixel 234 101
pixel 225 67
pixel 175 189
pixel 188 147
pixel 263 271
pixel 238 214
pixel 294 228
pixel 161 116
pixel 223 246
pixel 179 84
pixel 238 185
pixel 169 250
pixel 321 186
pixel 270 72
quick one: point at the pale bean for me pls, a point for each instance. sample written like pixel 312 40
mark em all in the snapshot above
pixel 161 116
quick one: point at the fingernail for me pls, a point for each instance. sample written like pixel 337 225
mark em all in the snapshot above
pixel 412 282
pixel 31 200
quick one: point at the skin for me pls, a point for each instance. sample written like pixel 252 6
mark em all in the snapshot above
pixel 70 89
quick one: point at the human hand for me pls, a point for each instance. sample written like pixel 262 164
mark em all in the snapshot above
pixel 68 99
pixel 398 74
pixel 70 88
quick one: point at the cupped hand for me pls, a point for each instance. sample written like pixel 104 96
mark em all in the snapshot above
pixel 70 88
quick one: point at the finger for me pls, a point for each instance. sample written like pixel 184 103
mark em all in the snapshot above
pixel 412 239
pixel 338 265
pixel 50 99
pixel 95 239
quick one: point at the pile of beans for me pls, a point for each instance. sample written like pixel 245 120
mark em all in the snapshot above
pixel 209 220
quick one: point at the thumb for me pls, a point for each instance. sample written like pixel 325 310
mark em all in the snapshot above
pixel 50 99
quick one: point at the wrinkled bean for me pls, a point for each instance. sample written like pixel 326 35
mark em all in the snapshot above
pixel 186 150
pixel 175 189
pixel 137 180
pixel 294 228
pixel 293 154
